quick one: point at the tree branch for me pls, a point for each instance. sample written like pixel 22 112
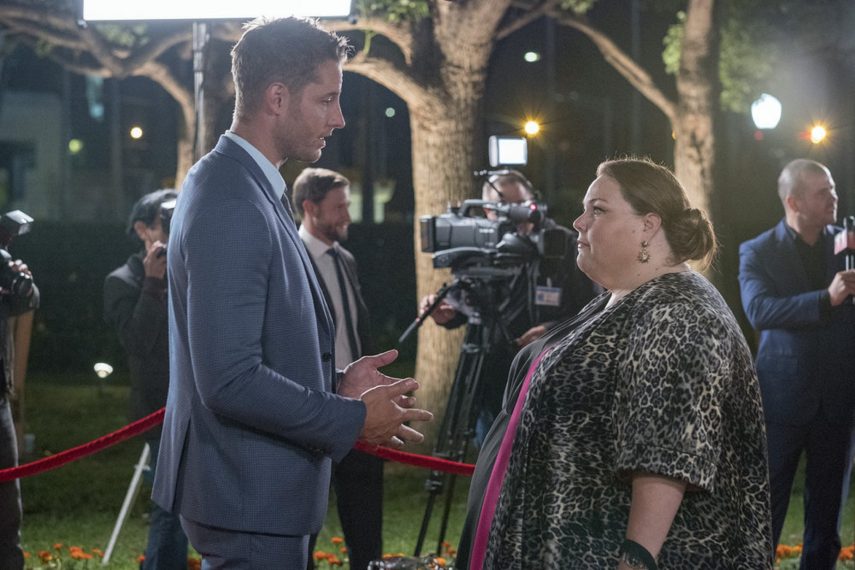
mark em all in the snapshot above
pixel 529 16
pixel 623 64
pixel 163 76
pixel 43 33
pixel 398 35
pixel 157 47
pixel 397 81
pixel 61 20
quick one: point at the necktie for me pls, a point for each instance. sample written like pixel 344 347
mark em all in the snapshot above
pixel 345 303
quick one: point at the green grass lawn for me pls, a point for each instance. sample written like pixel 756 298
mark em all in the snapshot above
pixel 77 505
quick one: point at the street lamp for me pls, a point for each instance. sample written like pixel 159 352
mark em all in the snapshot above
pixel 766 112
pixel 818 132
pixel 531 128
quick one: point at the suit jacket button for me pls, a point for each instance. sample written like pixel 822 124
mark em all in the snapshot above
pixel 326 357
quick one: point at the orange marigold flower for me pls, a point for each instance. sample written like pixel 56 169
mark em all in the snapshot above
pixel 141 558
pixel 57 546
pixel 319 555
pixel 98 552
pixel 441 561
pixel 334 561
pixel 337 540
pixel 26 555
pixel 343 550
pixel 45 556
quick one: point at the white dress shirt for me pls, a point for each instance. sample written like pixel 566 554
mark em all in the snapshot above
pixel 326 268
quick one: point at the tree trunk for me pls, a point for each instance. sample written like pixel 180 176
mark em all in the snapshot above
pixel 185 156
pixel 442 175
pixel 697 88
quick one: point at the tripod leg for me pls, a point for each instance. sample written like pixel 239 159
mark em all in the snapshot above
pixel 455 430
pixel 130 497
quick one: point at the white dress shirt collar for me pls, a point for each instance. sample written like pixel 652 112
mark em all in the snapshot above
pixel 268 168
pixel 314 245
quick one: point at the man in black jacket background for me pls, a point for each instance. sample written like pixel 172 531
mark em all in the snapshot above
pixel 135 305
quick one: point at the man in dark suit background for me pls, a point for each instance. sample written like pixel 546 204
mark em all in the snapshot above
pixel 257 410
pixel 794 291
pixel 322 197
pixel 135 305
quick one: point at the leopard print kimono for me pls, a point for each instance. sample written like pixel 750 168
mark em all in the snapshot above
pixel 660 382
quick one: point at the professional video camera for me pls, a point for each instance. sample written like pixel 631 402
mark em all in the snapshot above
pixel 13 224
pixel 492 249
pixel 461 238
pixel 466 237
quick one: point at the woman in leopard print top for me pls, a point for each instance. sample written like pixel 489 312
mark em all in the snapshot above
pixel 642 427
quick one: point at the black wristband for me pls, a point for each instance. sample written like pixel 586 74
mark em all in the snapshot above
pixel 637 556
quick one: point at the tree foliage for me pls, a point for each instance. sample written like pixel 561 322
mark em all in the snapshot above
pixel 394 11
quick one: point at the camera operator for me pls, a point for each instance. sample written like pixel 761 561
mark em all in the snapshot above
pixel 15 299
pixel 135 304
pixel 560 291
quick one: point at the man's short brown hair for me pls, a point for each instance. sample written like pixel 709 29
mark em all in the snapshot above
pixel 313 184
pixel 284 50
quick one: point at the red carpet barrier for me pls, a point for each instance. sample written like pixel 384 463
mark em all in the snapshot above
pixel 152 420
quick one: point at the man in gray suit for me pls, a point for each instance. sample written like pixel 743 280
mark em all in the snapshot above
pixel 256 408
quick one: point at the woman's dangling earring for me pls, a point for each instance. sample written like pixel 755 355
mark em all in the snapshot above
pixel 643 255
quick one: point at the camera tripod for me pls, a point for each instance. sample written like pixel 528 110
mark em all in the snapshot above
pixel 482 289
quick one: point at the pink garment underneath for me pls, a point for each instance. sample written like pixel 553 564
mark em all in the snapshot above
pixel 497 476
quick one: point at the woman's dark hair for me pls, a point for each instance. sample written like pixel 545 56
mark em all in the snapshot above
pixel 652 188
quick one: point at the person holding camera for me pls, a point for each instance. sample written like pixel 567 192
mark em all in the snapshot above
pixel 16 297
pixel 135 305
pixel 528 312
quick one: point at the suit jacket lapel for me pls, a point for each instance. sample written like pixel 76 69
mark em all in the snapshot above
pixel 324 289
pixel 232 149
pixel 362 317
pixel 789 257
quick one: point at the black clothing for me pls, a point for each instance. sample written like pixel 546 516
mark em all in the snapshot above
pixel 11 555
pixel 522 305
pixel 135 305
pixel 358 478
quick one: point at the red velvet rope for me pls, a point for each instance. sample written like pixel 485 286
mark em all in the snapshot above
pixel 156 418
pixel 75 453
